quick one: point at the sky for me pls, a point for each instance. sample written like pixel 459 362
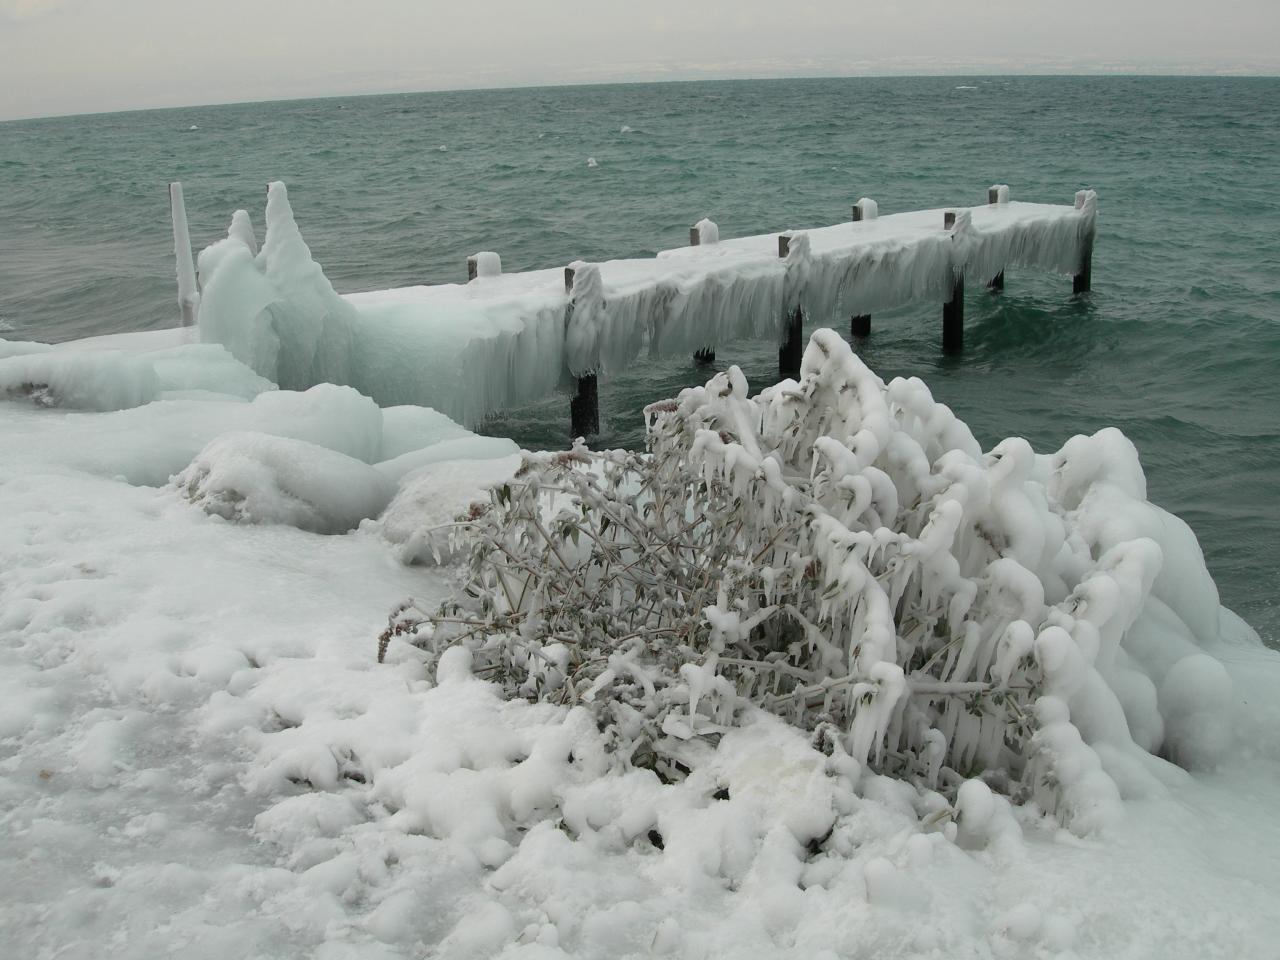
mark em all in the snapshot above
pixel 87 56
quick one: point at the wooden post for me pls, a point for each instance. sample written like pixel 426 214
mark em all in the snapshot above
pixel 1082 282
pixel 859 326
pixel 791 347
pixel 953 319
pixel 953 309
pixel 188 296
pixel 473 270
pixel 996 283
pixel 706 354
pixel 584 405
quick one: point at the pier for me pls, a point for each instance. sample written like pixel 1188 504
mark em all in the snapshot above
pixel 500 340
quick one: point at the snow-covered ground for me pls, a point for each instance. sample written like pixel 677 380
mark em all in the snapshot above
pixel 201 757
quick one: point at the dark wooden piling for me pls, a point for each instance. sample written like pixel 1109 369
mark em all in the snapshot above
pixel 584 405
pixel 706 354
pixel 996 283
pixel 859 326
pixel 791 346
pixel 473 269
pixel 953 319
pixel 1082 282
pixel 953 309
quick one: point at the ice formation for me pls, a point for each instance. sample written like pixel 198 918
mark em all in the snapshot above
pixel 474 349
pixel 114 376
pixel 931 610
pixel 257 478
pixel 1052 571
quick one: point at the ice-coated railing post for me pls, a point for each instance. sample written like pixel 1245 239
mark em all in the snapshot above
pixel 584 405
pixel 860 324
pixel 484 264
pixel 706 354
pixel 791 347
pixel 188 295
pixel 1082 282
pixel 953 309
pixel 997 193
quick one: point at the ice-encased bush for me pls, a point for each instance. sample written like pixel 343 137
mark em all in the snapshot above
pixel 841 552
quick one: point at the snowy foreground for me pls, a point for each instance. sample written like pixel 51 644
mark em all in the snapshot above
pixel 201 757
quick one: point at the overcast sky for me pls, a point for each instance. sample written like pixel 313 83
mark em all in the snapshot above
pixel 81 56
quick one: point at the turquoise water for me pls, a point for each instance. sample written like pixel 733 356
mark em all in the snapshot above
pixel 1179 344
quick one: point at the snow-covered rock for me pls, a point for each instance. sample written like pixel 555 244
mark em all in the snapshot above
pixel 258 478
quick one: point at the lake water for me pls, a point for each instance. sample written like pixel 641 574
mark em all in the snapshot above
pixel 1178 345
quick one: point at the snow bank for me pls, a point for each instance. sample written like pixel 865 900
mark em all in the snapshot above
pixel 472 349
pixel 418 522
pixel 145 445
pixel 258 478
pixel 78 381
pixel 119 372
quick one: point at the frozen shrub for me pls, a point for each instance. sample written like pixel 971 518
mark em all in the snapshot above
pixel 837 551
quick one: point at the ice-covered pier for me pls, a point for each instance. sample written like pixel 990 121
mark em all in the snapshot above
pixel 502 340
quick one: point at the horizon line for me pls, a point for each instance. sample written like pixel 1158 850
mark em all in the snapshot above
pixel 1094 73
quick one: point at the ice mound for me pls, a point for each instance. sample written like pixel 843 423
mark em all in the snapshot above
pixel 258 478
pixel 418 521
pixel 406 429
pixel 113 376
pixel 275 311
pixel 146 445
pixel 78 381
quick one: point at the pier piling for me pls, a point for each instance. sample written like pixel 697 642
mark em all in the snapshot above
pixel 706 354
pixel 584 405
pixel 997 194
pixel 860 325
pixel 791 347
pixel 953 309
pixel 188 294
pixel 1082 282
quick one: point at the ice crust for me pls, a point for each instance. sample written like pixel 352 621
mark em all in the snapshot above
pixel 473 349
